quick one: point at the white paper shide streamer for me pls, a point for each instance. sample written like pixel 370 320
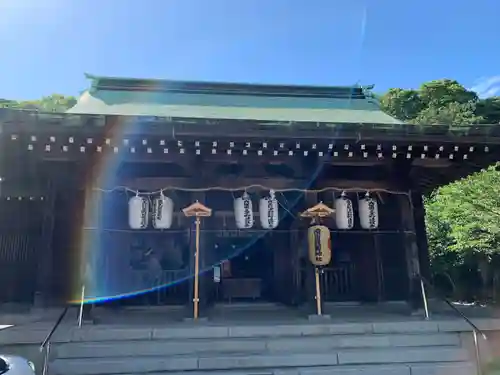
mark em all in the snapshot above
pixel 268 211
pixel 344 213
pixel 163 212
pixel 138 212
pixel 243 212
pixel 368 213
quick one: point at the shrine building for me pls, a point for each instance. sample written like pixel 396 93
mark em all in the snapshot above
pixel 109 183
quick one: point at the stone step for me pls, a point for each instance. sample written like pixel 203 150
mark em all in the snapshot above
pixel 121 365
pixel 199 331
pixel 250 345
pixel 447 368
pixel 69 333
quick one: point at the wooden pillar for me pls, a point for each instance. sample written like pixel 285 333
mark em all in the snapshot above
pixel 210 259
pixel 367 269
pixel 311 199
pixel 294 254
pixel 379 268
pixel 411 251
pixel 45 253
pixel 421 233
pixel 285 266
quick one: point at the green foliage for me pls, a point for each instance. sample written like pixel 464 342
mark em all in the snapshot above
pixel 440 240
pixel 489 110
pixel 464 235
pixel 453 113
pixel 5 103
pixel 443 102
pixel 440 93
pixel 402 104
pixel 461 218
pixel 468 209
pixel 52 103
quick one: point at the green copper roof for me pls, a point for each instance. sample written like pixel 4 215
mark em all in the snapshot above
pixel 138 97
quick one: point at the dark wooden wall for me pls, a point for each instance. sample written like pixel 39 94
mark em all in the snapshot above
pixel 377 256
pixel 21 223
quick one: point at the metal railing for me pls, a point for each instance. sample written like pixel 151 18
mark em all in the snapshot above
pixel 475 329
pixel 45 345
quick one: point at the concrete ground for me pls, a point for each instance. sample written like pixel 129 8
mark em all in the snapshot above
pixel 244 313
pixel 30 327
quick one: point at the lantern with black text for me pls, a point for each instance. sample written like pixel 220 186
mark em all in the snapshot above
pixel 320 248
pixel 368 213
pixel 163 212
pixel 243 212
pixel 344 213
pixel 268 211
pixel 138 212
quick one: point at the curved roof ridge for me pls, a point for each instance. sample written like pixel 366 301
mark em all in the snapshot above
pixel 97 78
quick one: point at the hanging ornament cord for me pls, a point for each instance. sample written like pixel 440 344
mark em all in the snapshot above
pixel 249 187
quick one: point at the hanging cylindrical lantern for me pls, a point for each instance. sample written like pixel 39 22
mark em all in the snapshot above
pixel 163 212
pixel 138 212
pixel 320 247
pixel 243 212
pixel 344 213
pixel 368 213
pixel 268 211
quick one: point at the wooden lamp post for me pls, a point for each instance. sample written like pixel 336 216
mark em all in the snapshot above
pixel 319 244
pixel 198 211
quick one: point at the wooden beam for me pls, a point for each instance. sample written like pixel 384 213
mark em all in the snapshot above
pixel 432 163
pixel 13 189
pixel 358 162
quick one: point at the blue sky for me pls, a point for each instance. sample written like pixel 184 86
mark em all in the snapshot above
pixel 46 46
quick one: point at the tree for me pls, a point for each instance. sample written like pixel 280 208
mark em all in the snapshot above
pixel 462 225
pixel 6 103
pixel 469 206
pixel 452 113
pixel 489 110
pixel 51 103
pixel 442 92
pixel 462 229
pixel 442 101
pixel 402 104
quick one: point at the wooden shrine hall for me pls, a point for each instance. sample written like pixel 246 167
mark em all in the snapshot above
pixel 179 191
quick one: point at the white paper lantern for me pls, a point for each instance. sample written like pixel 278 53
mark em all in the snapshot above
pixel 344 213
pixel 138 212
pixel 243 212
pixel 268 211
pixel 368 213
pixel 163 212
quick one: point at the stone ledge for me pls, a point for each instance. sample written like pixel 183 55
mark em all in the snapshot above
pixel 401 355
pixel 325 318
pixel 461 368
pixel 35 333
pixel 267 361
pixel 196 321
pixel 407 327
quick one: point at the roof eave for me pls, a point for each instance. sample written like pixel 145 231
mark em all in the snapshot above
pixel 96 80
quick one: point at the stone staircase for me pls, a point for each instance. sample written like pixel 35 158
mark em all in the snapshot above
pixel 397 348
